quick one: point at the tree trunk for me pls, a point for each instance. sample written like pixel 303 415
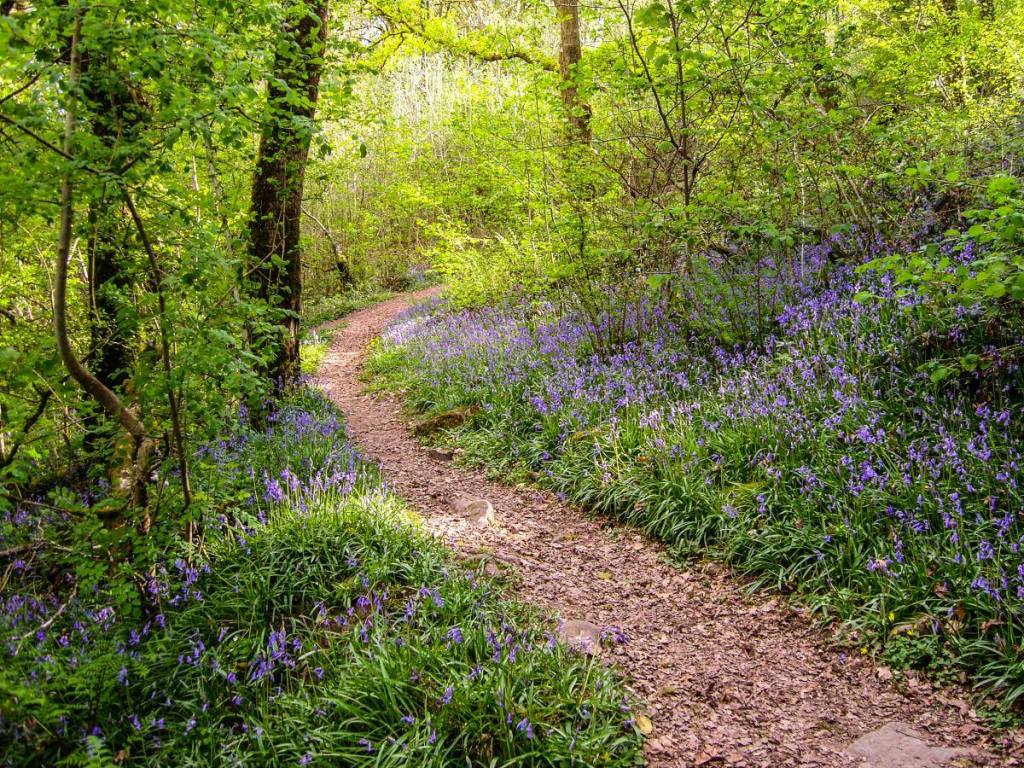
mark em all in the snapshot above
pixel 114 120
pixel 142 444
pixel 108 279
pixel 569 54
pixel 280 172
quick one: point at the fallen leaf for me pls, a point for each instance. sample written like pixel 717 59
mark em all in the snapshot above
pixel 644 725
pixel 703 758
pixel 604 575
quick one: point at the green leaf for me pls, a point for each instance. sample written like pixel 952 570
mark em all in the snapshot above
pixel 8 357
pixel 654 16
pixel 1002 185
pixel 657 280
pixel 996 291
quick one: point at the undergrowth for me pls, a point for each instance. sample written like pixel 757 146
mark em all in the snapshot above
pixel 315 625
pixel 335 305
pixel 825 462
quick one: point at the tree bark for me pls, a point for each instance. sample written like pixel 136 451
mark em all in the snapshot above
pixel 115 120
pixel 142 443
pixel 276 207
pixel 569 55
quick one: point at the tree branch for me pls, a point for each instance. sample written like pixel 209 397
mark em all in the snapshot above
pixel 344 270
pixel 44 399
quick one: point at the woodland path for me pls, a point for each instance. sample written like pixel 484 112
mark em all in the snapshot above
pixel 728 680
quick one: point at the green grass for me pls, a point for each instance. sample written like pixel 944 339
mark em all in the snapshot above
pixel 333 306
pixel 317 625
pixel 895 518
pixel 313 350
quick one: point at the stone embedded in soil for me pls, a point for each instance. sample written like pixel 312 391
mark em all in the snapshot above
pixel 477 511
pixel 441 454
pixel 580 634
pixel 441 421
pixel 897 745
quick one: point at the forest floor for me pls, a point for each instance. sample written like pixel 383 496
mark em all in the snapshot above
pixel 727 679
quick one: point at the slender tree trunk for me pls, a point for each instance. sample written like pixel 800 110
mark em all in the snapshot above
pixel 165 349
pixel 340 261
pixel 570 53
pixel 280 173
pixel 114 120
pixel 142 443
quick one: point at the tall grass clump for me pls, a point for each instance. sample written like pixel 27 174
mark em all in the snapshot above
pixel 316 624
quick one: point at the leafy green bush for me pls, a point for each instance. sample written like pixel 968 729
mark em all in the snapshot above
pixel 982 266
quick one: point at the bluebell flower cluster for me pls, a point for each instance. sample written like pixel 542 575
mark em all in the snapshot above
pixel 823 458
pixel 317 621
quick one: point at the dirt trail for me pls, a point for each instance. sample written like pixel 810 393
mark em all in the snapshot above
pixel 729 680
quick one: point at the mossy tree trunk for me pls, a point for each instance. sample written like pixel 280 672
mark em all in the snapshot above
pixel 276 207
pixel 570 53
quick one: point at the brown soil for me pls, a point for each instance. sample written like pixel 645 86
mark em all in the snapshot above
pixel 728 679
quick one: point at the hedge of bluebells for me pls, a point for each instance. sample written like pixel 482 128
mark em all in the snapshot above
pixel 318 627
pixel 824 460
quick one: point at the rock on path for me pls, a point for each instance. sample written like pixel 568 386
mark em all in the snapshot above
pixel 897 745
pixel 728 680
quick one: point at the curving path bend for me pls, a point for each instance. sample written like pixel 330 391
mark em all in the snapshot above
pixel 729 680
